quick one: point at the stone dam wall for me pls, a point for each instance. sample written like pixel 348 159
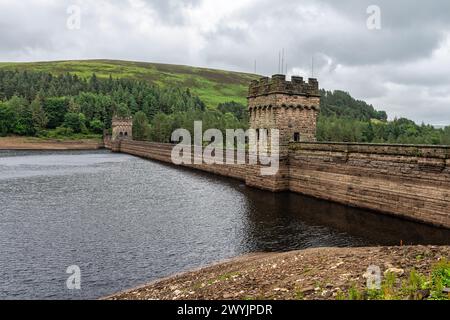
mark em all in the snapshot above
pixel 411 182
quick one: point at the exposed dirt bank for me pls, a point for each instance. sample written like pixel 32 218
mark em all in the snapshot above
pixel 322 273
pixel 22 143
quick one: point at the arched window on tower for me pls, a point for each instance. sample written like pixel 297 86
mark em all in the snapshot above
pixel 296 136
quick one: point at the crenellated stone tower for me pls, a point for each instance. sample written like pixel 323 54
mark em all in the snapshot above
pixel 290 106
pixel 122 128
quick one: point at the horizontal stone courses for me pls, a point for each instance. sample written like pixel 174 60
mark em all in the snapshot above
pixel 425 151
pixel 369 160
pixel 387 198
pixel 378 203
pixel 433 180
pixel 426 193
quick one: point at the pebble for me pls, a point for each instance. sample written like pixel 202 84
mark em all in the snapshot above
pixel 337 265
pixel 397 271
pixel 307 290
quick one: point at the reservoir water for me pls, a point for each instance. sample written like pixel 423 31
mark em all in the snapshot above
pixel 125 221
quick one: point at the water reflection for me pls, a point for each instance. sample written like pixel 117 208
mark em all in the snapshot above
pixel 312 222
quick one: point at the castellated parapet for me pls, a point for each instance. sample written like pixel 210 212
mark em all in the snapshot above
pixel 278 84
pixel 289 106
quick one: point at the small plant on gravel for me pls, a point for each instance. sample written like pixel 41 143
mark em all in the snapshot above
pixel 374 294
pixel 416 286
pixel 299 294
pixel 355 294
pixel 340 295
pixel 228 276
pixel 440 279
pixel 388 291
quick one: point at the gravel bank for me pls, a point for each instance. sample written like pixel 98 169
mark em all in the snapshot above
pixel 320 273
pixel 22 143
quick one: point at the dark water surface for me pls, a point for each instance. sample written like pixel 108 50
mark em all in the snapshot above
pixel 125 221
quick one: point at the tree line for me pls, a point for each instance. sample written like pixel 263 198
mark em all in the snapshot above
pixel 345 119
pixel 41 104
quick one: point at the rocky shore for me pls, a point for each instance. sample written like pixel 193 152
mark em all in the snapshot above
pixel 413 272
pixel 23 143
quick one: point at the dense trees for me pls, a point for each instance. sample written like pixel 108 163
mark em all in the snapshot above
pixel 35 102
pixel 55 109
pixel 76 122
pixel 401 131
pixel 341 104
pixel 140 126
pixel 237 109
pixel 39 117
pixel 162 125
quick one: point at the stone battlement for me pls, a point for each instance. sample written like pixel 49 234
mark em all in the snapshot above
pixel 118 121
pixel 279 85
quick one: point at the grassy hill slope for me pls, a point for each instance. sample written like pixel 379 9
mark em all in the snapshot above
pixel 212 86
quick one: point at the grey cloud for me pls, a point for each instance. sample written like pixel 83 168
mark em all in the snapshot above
pixel 399 13
pixel 394 68
pixel 170 11
pixel 27 28
pixel 404 35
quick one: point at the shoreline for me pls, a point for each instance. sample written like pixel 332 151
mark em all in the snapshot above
pixel 26 143
pixel 310 274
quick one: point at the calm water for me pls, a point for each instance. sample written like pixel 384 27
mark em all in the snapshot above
pixel 125 221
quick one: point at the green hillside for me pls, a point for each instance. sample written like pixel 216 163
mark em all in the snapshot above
pixel 212 86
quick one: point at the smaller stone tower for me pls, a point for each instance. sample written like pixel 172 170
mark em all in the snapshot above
pixel 122 128
pixel 290 106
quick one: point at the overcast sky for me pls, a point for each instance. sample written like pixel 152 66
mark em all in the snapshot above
pixel 403 67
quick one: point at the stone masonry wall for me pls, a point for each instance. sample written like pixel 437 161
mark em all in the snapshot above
pixel 408 181
pixel 412 182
